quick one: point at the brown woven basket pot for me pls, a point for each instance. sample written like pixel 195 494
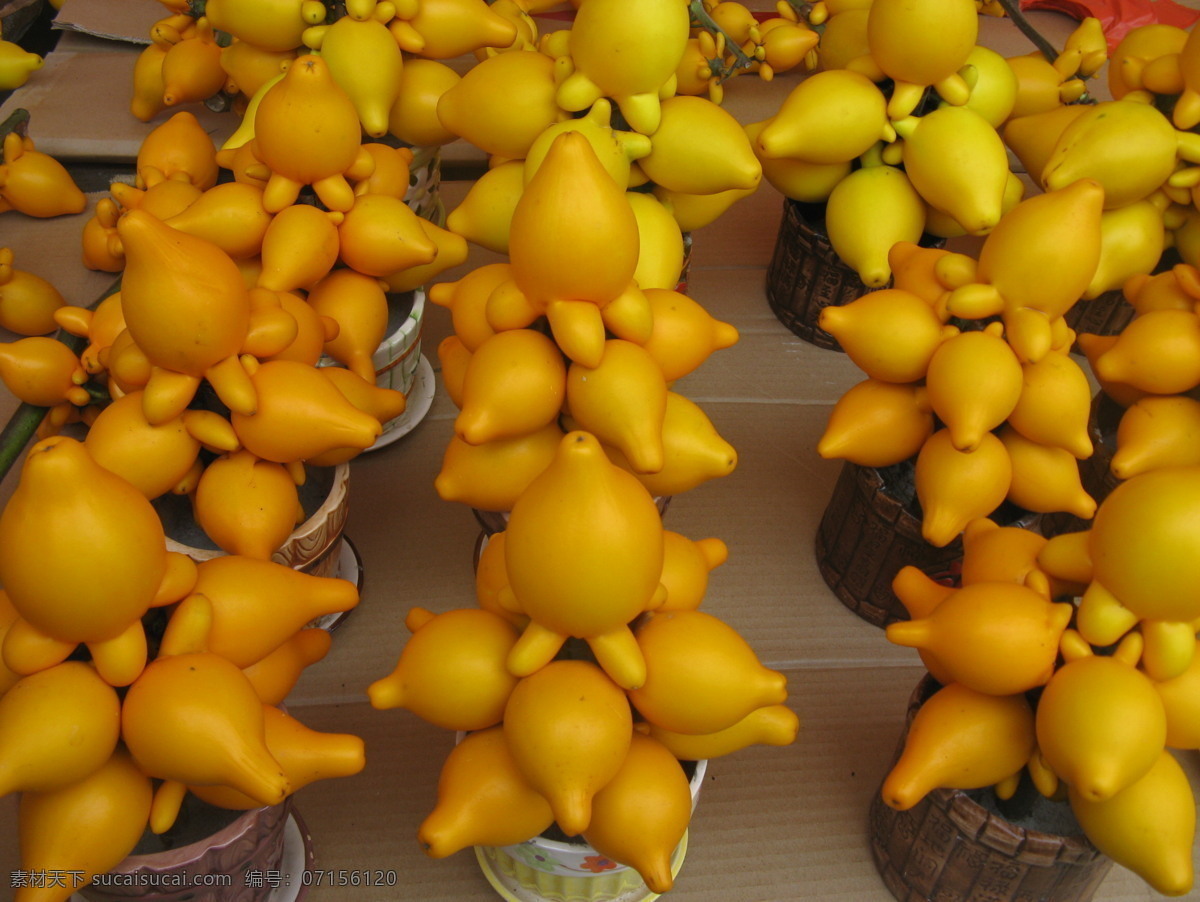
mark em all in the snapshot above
pixel 871 528
pixel 1105 314
pixel 1094 473
pixel 806 275
pixel 953 847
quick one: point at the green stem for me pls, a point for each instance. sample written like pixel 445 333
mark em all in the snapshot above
pixel 700 15
pixel 1013 8
pixel 17 121
pixel 24 422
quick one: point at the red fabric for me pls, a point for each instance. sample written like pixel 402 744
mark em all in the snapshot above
pixel 1119 17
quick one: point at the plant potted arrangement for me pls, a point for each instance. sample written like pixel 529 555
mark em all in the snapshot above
pixel 1081 697
pixel 861 149
pixel 568 777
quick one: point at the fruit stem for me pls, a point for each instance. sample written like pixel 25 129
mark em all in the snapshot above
pixel 1012 7
pixel 708 23
pixel 17 121
pixel 25 420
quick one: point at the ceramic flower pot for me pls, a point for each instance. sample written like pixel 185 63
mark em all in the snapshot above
pixel 871 528
pixel 314 546
pixel 956 846
pixel 214 855
pixel 556 870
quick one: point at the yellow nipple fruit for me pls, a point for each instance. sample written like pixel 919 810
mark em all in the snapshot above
pixel 960 739
pixel 569 728
pixel 686 565
pixel 16 65
pixel 453 356
pixel 247 505
pixel 584 555
pixel 684 334
pixel 299 247
pixel 483 799
pixel 301 415
pixel 628 55
pixel 1030 291
pixel 381 235
pixel 178 148
pixel 196 719
pixel 890 334
pixel 203 324
pixel 568 209
pixel 994 553
pixel 35 183
pixel 1148 827
pixel 701 675
pixel 1131 243
pixel 1179 694
pixel 919 45
pixel 491 579
pixel 998 638
pixel 768 725
pixel 973 383
pixel 1156 432
pixel 502 104
pixel 954 487
pixel 616 149
pixel 366 63
pixel 42 371
pixel 1032 137
pixel 306 755
pixel 191 67
pixel 312 330
pixel 27 301
pixel 1100 725
pixel 1045 478
pixel 700 148
pixel 466 299
pixel 146 96
pixel 1054 404
pixel 484 215
pixel 693 451
pixel 929 272
pixel 451 672
pixel 1155 353
pixel 515 383
pixel 359 306
pixel 49 752
pixel 274 675
pixel 622 401
pixel 869 211
pixel 958 163
pixel 257 606
pixel 230 215
pixel 306 131
pixel 491 476
pixel 660 256
pixel 1095 145
pixel 447 28
pixel 641 815
pixel 413 117
pixel 85 828
pixel 152 458
pixel 248 67
pixel 832 116
pixel 275 26
pixel 83 557
pixel 877 424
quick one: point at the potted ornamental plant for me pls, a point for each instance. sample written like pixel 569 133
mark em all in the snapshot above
pixel 574 771
pixel 1083 698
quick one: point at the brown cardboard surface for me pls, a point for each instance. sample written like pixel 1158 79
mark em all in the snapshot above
pixel 114 20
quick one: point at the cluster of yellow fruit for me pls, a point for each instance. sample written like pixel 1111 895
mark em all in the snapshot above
pixel 611 75
pixel 897 135
pixel 992 414
pixel 131 675
pixel 1088 697
pixel 238 46
pixel 590 739
pixel 765 45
